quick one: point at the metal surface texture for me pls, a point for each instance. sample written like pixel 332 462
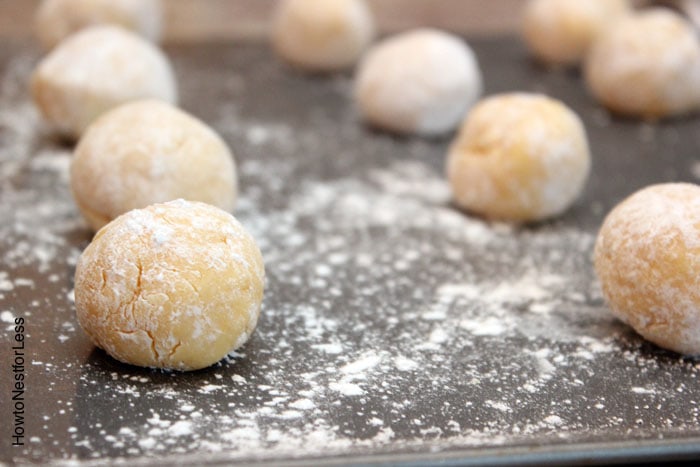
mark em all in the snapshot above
pixel 395 329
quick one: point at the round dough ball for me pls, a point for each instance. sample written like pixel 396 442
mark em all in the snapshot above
pixel 519 157
pixel 58 19
pixel 96 70
pixel 176 285
pixel 147 152
pixel 647 258
pixel 326 35
pixel 647 66
pixel 560 32
pixel 420 82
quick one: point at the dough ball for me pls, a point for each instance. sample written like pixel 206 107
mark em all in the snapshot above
pixel 419 82
pixel 96 70
pixel 323 35
pixel 147 152
pixel 647 66
pixel 560 32
pixel 175 285
pixel 58 19
pixel 519 157
pixel 647 258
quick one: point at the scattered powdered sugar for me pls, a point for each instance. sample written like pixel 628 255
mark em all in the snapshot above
pixel 392 323
pixel 7 317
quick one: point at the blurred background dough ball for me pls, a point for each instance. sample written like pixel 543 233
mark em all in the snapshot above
pixel 519 157
pixel 57 19
pixel 420 82
pixel 147 152
pixel 176 285
pixel 647 66
pixel 96 70
pixel 647 258
pixel 560 32
pixel 323 35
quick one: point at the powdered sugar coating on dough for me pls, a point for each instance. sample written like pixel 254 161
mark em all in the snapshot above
pixel 648 65
pixel 57 19
pixel 422 82
pixel 148 152
pixel 560 32
pixel 647 258
pixel 322 36
pixel 96 70
pixel 519 157
pixel 176 285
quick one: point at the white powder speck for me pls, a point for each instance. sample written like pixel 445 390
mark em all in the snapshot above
pixel 374 421
pixel 147 443
pixel 258 135
pixel 434 315
pixel 180 428
pixel 364 363
pixel 489 326
pixel 53 161
pixel 554 420
pixel 638 390
pixel 438 336
pixel 23 282
pixel 238 379
pixel 405 364
pixel 323 270
pixel 7 317
pixel 541 308
pixel 502 406
pixel 303 404
pixel 209 388
pixel 156 420
pixel 332 349
pixel 290 414
pixel 6 285
pixel 347 389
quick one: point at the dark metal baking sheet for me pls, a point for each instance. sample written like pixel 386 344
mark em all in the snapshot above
pixel 395 329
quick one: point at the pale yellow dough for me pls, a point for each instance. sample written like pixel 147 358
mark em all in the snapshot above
pixel 327 35
pixel 176 286
pixel 560 32
pixel 57 19
pixel 519 157
pixel 95 70
pixel 647 258
pixel 418 82
pixel 648 66
pixel 146 152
